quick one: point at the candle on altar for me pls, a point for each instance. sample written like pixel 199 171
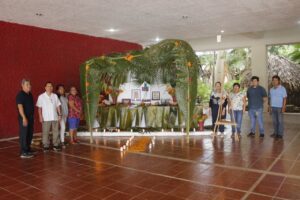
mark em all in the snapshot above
pixel 172 130
pixel 104 130
pixel 162 130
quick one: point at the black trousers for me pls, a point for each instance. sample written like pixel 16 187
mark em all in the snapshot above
pixel 25 134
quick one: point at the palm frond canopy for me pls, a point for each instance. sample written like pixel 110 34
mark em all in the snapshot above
pixel 171 61
pixel 288 71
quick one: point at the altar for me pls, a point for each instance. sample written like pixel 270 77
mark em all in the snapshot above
pixel 126 118
pixel 155 88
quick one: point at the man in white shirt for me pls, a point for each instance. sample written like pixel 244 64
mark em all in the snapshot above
pixel 49 114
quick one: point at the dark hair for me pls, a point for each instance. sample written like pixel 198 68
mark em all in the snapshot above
pixel 24 80
pixel 254 77
pixel 218 82
pixel 73 87
pixel 276 77
pixel 236 84
pixel 59 85
pixel 57 88
pixel 48 82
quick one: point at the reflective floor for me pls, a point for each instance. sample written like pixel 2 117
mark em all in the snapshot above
pixel 173 168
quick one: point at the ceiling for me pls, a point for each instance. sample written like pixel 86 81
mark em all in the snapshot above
pixel 142 21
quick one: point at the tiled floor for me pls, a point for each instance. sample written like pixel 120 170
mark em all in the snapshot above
pixel 175 168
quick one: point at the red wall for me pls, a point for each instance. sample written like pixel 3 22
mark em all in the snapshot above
pixel 42 55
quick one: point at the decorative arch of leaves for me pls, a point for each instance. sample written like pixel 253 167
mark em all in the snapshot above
pixel 170 61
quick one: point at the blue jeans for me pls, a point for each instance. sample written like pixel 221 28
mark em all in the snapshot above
pixel 238 117
pixel 256 114
pixel 277 119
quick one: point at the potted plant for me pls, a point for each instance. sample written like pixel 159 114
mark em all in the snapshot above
pixel 201 119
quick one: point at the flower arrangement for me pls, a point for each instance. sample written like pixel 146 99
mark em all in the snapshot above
pixel 171 90
pixel 114 93
pixel 202 118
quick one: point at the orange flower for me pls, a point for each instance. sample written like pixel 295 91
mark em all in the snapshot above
pixel 87 84
pixel 129 57
pixel 87 67
pixel 189 64
pixel 195 116
pixel 177 43
pixel 108 91
pixel 171 90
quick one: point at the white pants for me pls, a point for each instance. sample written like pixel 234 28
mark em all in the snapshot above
pixel 62 129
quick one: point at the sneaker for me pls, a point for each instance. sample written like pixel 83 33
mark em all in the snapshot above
pixel 26 155
pixel 273 135
pixel 251 134
pixel 33 152
pixel 262 135
pixel 222 134
pixel 46 149
pixel 279 137
pixel 63 146
pixel 72 142
pixel 56 148
pixel 77 141
pixel 65 143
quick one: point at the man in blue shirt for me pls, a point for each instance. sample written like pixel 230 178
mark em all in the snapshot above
pixel 256 95
pixel 277 106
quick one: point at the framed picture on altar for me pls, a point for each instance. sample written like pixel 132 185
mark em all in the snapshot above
pixel 136 94
pixel 155 95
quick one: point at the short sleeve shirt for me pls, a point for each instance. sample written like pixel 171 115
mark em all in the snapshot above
pixel 26 100
pixel 256 97
pixel 78 104
pixel 277 95
pixel 236 100
pixel 64 105
pixel 216 97
pixel 49 105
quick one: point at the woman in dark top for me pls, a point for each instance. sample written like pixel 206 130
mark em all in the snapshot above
pixel 217 98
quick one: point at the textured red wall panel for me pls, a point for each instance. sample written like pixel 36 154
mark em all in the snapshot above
pixel 42 55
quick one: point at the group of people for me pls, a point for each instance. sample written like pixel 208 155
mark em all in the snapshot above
pixel 257 97
pixel 54 111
